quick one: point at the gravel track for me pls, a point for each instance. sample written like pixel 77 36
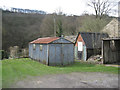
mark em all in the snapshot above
pixel 72 80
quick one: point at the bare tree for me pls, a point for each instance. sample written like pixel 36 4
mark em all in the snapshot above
pixel 101 7
pixel 47 26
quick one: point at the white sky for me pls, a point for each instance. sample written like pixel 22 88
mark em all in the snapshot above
pixel 75 7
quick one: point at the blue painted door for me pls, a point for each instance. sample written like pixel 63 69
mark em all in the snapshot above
pixel 67 54
pixel 54 55
pixel 61 54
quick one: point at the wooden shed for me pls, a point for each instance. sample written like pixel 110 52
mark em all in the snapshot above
pixel 52 51
pixel 111 50
pixel 88 44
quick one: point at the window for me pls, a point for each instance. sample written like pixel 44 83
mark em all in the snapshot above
pixel 41 47
pixel 34 46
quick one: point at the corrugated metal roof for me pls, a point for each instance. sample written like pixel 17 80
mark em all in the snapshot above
pixel 113 38
pixel 45 40
pixel 71 38
pixel 93 40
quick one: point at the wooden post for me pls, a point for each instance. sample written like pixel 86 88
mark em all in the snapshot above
pixel 0 34
pixel 102 51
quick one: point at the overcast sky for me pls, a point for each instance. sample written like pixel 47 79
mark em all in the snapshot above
pixel 75 7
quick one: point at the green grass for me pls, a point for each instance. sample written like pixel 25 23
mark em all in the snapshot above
pixel 17 69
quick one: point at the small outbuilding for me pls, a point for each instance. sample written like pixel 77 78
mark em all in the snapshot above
pixel 111 50
pixel 88 44
pixel 52 51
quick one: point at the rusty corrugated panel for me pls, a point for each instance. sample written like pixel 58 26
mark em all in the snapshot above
pixel 45 40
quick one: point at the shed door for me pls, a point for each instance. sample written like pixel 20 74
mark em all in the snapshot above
pixel 55 55
pixel 61 54
pixel 67 54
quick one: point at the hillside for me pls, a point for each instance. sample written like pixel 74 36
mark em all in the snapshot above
pixel 21 28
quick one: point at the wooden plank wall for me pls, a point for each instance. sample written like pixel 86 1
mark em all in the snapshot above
pixel 111 53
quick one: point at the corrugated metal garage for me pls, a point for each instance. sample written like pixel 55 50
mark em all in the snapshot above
pixel 52 51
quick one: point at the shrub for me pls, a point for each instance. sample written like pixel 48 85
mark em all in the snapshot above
pixel 3 54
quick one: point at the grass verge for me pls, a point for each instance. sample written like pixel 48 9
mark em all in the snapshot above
pixel 17 69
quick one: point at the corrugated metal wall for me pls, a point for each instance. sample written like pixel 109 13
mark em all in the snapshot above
pixel 76 52
pixel 61 54
pixel 84 53
pixel 37 54
pixel 30 51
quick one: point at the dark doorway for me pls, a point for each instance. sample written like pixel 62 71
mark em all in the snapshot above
pixel 80 55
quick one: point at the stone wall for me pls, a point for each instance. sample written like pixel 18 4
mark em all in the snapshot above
pixel 15 52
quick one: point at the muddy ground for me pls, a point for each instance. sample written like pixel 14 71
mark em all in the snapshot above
pixel 72 80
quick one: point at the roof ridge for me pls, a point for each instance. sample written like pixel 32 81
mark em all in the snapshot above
pixel 45 40
pixel 91 33
pixel 49 37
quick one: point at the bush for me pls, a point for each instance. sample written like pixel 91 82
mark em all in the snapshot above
pixel 3 54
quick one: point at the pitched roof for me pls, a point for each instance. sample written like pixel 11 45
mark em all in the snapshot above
pixel 71 38
pixel 112 28
pixel 93 40
pixel 45 40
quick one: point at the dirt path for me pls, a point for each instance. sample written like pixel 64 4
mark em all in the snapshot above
pixel 72 80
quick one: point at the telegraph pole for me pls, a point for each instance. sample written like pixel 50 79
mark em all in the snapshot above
pixel 54 25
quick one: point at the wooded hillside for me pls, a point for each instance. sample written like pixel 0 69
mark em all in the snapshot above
pixel 21 28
